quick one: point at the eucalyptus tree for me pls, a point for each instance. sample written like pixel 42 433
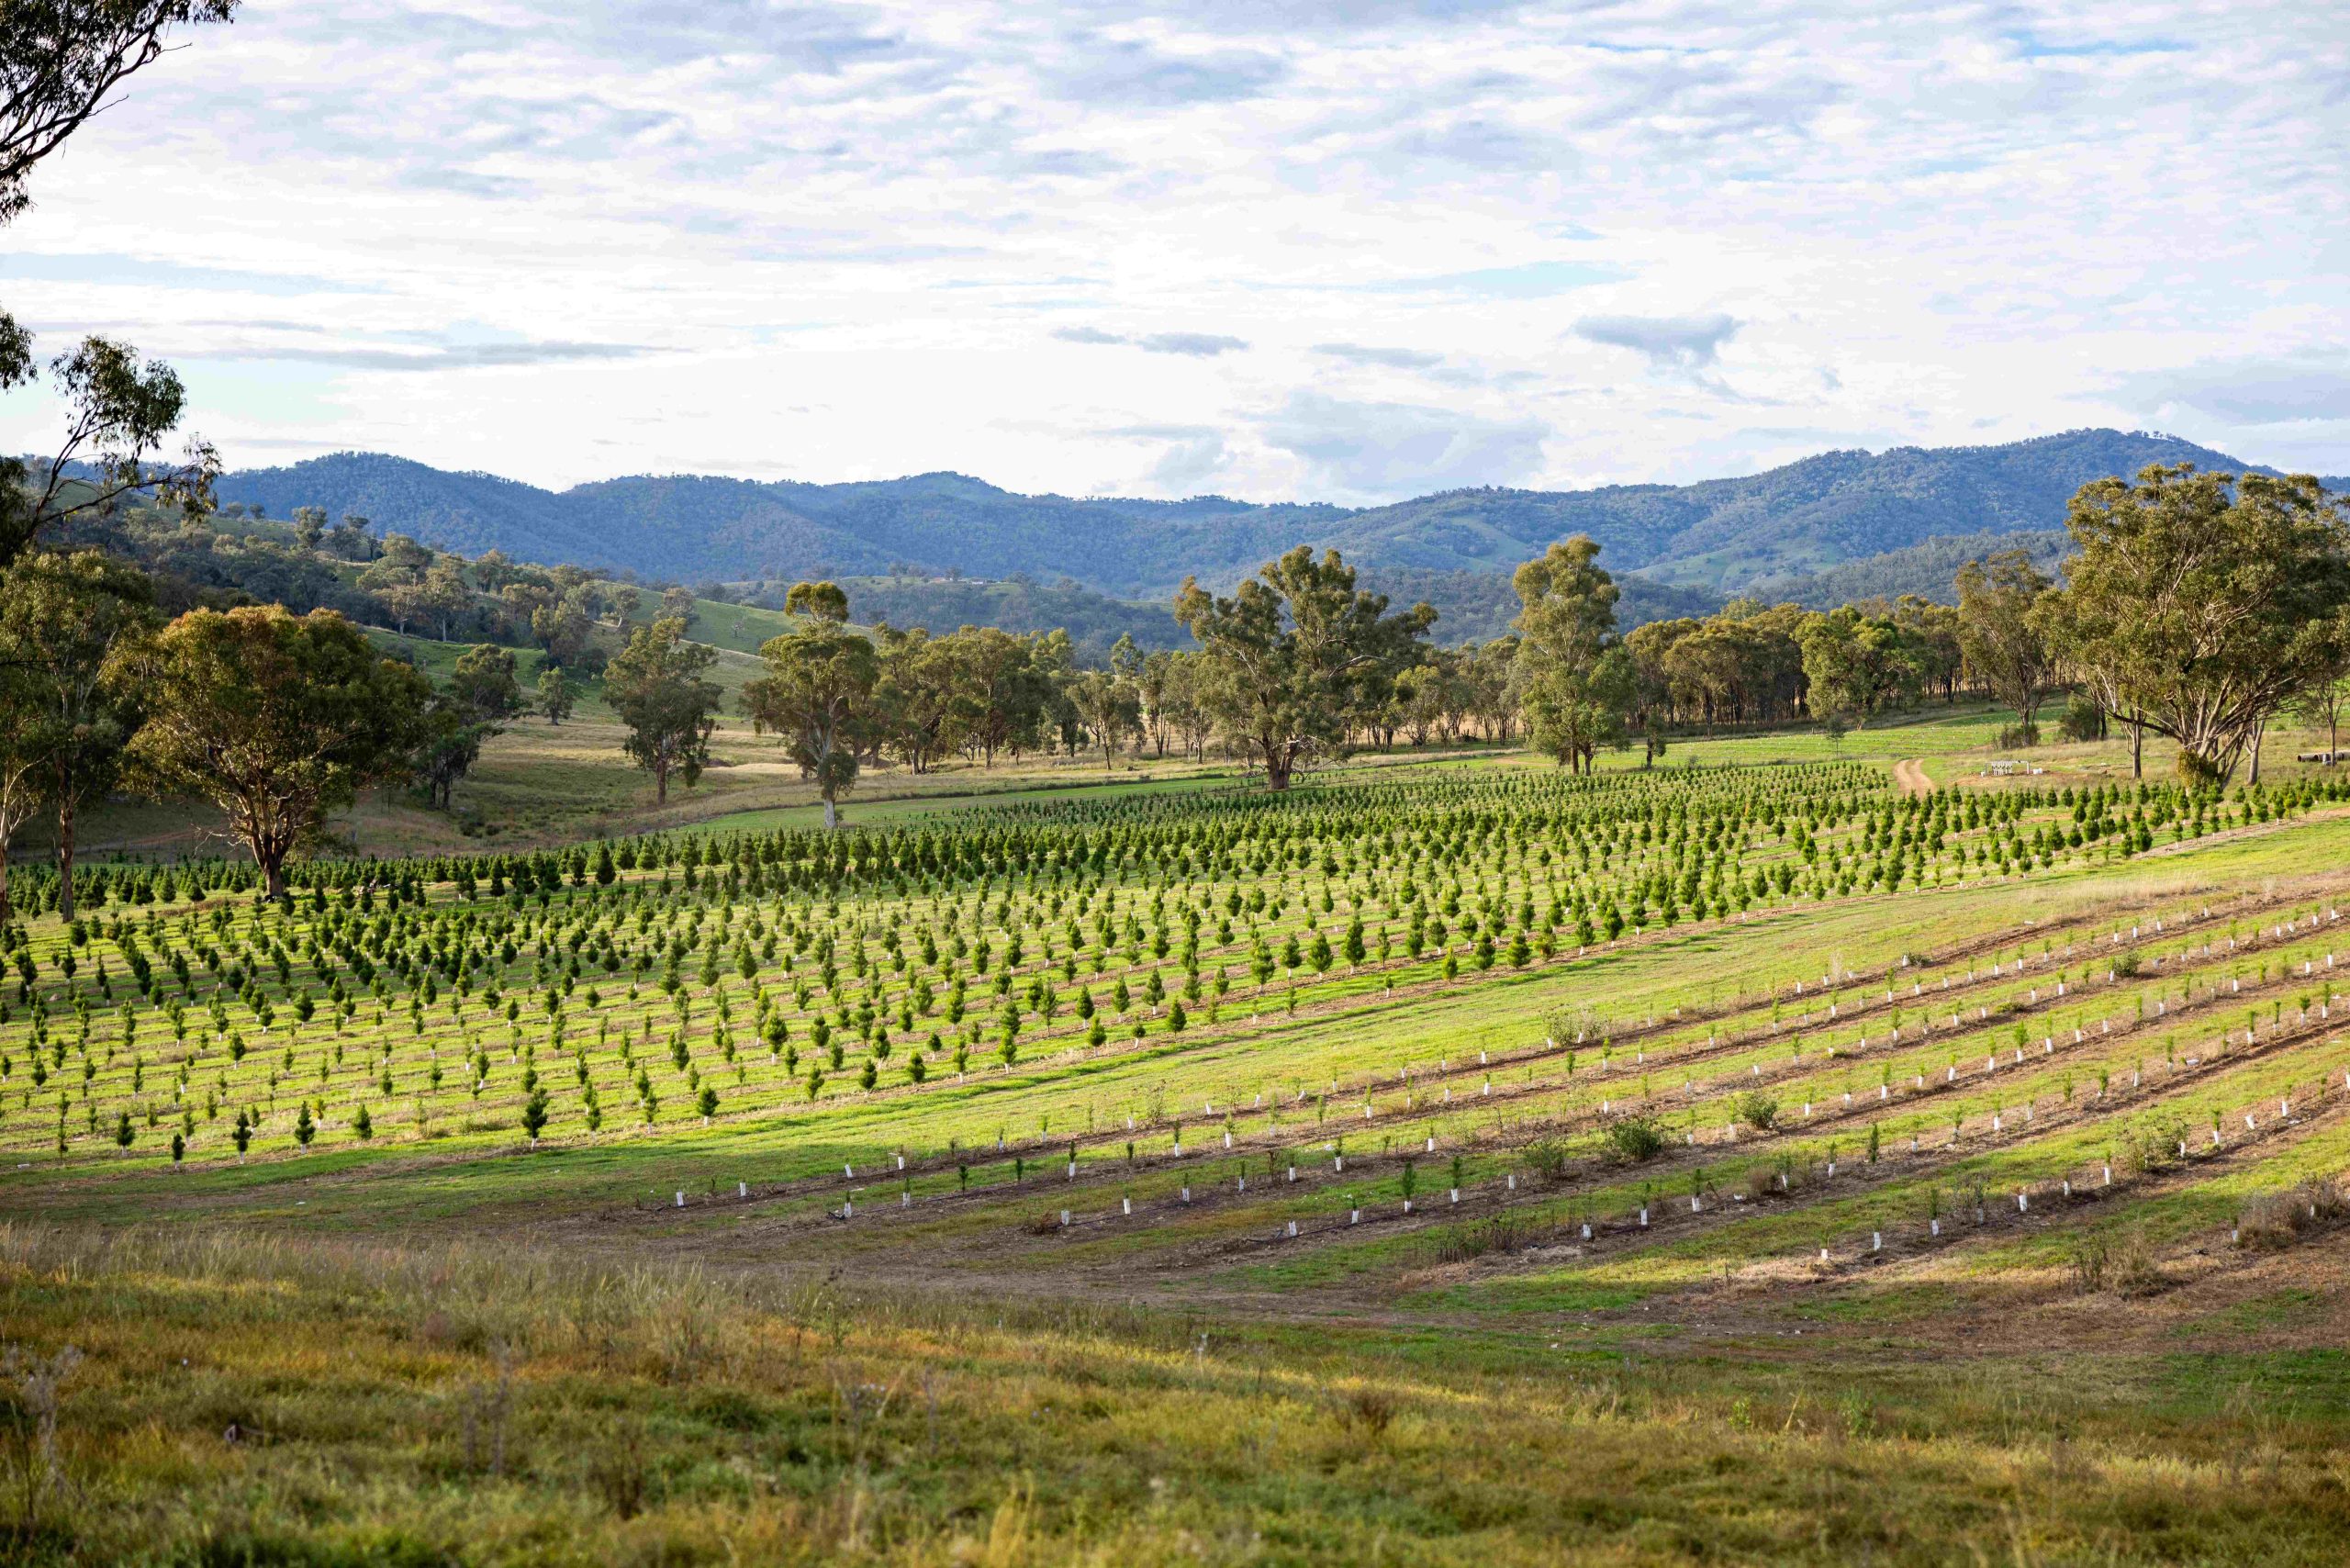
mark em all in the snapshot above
pixel 275 719
pixel 818 691
pixel 556 695
pixel 655 685
pixel 2003 642
pixel 1287 662
pixel 2200 603
pixel 923 696
pixel 1008 695
pixel 482 692
pixel 1856 664
pixel 1110 707
pixel 62 618
pixel 1574 676
pixel 484 681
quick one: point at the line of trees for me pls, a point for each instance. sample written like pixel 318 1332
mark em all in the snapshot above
pixel 2199 606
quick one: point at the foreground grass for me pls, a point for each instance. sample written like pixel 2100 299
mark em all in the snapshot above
pixel 250 1399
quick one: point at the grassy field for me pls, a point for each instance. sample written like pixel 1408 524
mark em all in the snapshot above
pixel 1743 1159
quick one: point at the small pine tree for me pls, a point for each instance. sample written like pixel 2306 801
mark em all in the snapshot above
pixel 364 1125
pixel 305 1129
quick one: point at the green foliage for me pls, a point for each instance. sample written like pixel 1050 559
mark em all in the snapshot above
pixel 1293 658
pixel 1636 1139
pixel 1576 683
pixel 274 717
pixel 655 686
pixel 2203 602
pixel 818 692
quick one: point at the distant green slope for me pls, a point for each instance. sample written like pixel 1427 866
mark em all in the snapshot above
pixel 1719 534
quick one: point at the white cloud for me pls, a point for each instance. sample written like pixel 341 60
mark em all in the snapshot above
pixel 848 228
pixel 1668 342
pixel 1199 345
pixel 1368 451
pixel 2313 384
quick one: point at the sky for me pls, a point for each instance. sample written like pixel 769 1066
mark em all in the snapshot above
pixel 1324 250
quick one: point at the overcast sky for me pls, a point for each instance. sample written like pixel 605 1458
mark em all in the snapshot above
pixel 1347 249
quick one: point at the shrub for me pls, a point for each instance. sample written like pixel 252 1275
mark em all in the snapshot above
pixel 1758 1110
pixel 1549 1156
pixel 1464 1243
pixel 2124 1265
pixel 1636 1139
pixel 1370 1411
pixel 2280 1219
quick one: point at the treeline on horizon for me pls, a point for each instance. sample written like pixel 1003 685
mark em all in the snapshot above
pixel 278 718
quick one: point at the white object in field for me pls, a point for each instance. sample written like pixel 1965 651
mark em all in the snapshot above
pixel 1644 1217
pixel 1064 1219
pixel 1126 1205
pixel 681 1197
pixel 1292 1227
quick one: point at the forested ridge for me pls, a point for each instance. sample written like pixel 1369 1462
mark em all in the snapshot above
pixel 1719 534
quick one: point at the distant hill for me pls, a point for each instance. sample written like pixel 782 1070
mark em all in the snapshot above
pixel 1718 535
pixel 1094 620
pixel 1477 607
pixel 1927 568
